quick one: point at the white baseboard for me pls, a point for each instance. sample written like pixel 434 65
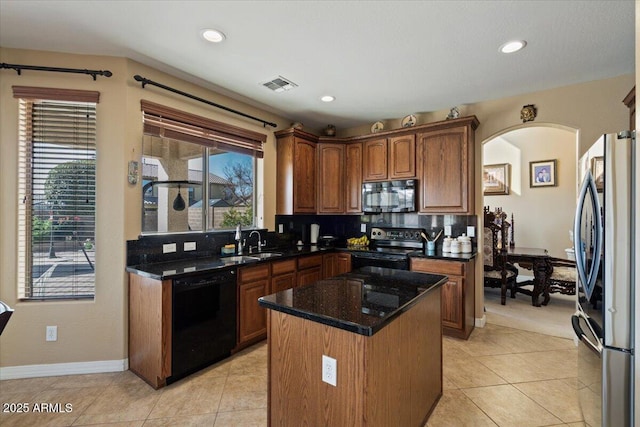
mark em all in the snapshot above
pixel 56 369
pixel 480 322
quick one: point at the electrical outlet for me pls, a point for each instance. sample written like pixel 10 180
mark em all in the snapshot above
pixel 329 370
pixel 52 333
pixel 471 231
pixel 168 248
pixel 189 246
pixel 363 228
pixel 280 228
pixel 447 230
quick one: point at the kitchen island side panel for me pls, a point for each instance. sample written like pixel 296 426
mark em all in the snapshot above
pixel 391 378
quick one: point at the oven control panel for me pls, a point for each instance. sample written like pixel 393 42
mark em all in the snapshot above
pixel 397 234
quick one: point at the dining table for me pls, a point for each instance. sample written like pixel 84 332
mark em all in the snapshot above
pixel 539 262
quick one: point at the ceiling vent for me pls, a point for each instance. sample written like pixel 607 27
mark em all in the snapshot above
pixel 279 84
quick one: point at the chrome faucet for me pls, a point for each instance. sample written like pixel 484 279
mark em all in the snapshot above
pixel 259 245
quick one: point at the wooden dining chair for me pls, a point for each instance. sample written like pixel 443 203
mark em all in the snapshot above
pixel 562 276
pixel 498 273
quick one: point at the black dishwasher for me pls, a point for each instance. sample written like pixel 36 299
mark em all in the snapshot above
pixel 204 321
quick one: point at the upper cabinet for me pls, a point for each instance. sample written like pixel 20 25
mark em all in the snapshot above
pixel 324 175
pixel 331 178
pixel 374 160
pixel 389 158
pixel 446 167
pixel 402 157
pixel 353 166
pixel 296 172
pixel 630 102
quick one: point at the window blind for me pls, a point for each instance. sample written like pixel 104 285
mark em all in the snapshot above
pixel 167 122
pixel 57 191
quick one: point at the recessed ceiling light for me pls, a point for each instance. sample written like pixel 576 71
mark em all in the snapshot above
pixel 513 46
pixel 328 98
pixel 213 36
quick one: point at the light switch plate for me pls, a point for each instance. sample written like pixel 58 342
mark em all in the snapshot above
pixel 189 246
pixel 168 248
pixel 471 231
pixel 363 228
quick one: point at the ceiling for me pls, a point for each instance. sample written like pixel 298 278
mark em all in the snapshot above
pixel 380 59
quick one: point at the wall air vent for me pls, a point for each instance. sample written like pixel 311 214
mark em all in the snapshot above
pixel 279 84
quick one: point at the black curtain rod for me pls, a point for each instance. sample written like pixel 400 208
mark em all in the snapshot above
pixel 92 73
pixel 145 81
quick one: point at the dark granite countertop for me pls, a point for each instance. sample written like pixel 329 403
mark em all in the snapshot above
pixel 192 266
pixel 436 254
pixel 362 301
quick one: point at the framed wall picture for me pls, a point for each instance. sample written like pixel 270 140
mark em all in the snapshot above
pixel 597 170
pixel 495 179
pixel 542 173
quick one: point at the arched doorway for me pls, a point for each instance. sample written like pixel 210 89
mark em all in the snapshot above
pixel 542 214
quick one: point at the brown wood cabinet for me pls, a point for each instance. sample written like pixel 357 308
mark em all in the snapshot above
pixel 630 102
pixel 374 160
pixel 458 297
pixel 309 269
pixel 335 263
pixel 253 283
pixel 283 275
pixel 402 157
pixel 296 172
pixel 446 165
pixel 150 329
pixel 331 178
pixel 353 184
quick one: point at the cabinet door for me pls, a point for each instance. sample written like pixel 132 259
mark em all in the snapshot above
pixel 253 318
pixel 402 157
pixel 304 176
pixel 353 166
pixel 446 171
pixel 452 313
pixel 374 163
pixel 283 282
pixel 309 275
pixel 343 263
pixel 331 178
pixel 329 265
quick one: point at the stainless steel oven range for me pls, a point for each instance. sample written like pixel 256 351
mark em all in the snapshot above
pixel 389 248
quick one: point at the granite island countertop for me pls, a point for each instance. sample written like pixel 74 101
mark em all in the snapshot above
pixel 362 301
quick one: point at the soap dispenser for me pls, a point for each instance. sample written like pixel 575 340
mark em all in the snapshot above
pixel 238 238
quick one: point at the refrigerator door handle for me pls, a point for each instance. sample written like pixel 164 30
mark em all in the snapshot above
pixel 575 322
pixel 588 279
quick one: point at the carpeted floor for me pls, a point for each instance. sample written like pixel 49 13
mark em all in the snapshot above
pixel 553 319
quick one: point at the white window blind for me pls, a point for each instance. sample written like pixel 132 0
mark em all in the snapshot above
pixel 57 189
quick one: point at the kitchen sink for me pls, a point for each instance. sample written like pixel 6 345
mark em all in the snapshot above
pixel 263 255
pixel 239 258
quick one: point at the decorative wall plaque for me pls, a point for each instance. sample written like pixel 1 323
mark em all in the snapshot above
pixel 528 113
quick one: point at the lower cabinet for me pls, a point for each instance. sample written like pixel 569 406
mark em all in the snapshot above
pixel 458 296
pixel 283 275
pixel 309 269
pixel 335 263
pixel 253 283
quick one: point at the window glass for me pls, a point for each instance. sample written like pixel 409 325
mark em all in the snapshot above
pixel 58 191
pixel 174 187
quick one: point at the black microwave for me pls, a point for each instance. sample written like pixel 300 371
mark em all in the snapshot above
pixel 389 196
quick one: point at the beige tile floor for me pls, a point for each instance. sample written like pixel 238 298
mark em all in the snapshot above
pixel 499 377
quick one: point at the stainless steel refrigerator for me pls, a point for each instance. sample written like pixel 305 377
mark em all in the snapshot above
pixel 605 244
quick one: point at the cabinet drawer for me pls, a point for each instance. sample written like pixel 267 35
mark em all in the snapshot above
pixel 436 266
pixel 310 261
pixel 282 267
pixel 249 274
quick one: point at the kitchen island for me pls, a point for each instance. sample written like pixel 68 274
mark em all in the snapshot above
pixel 383 329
